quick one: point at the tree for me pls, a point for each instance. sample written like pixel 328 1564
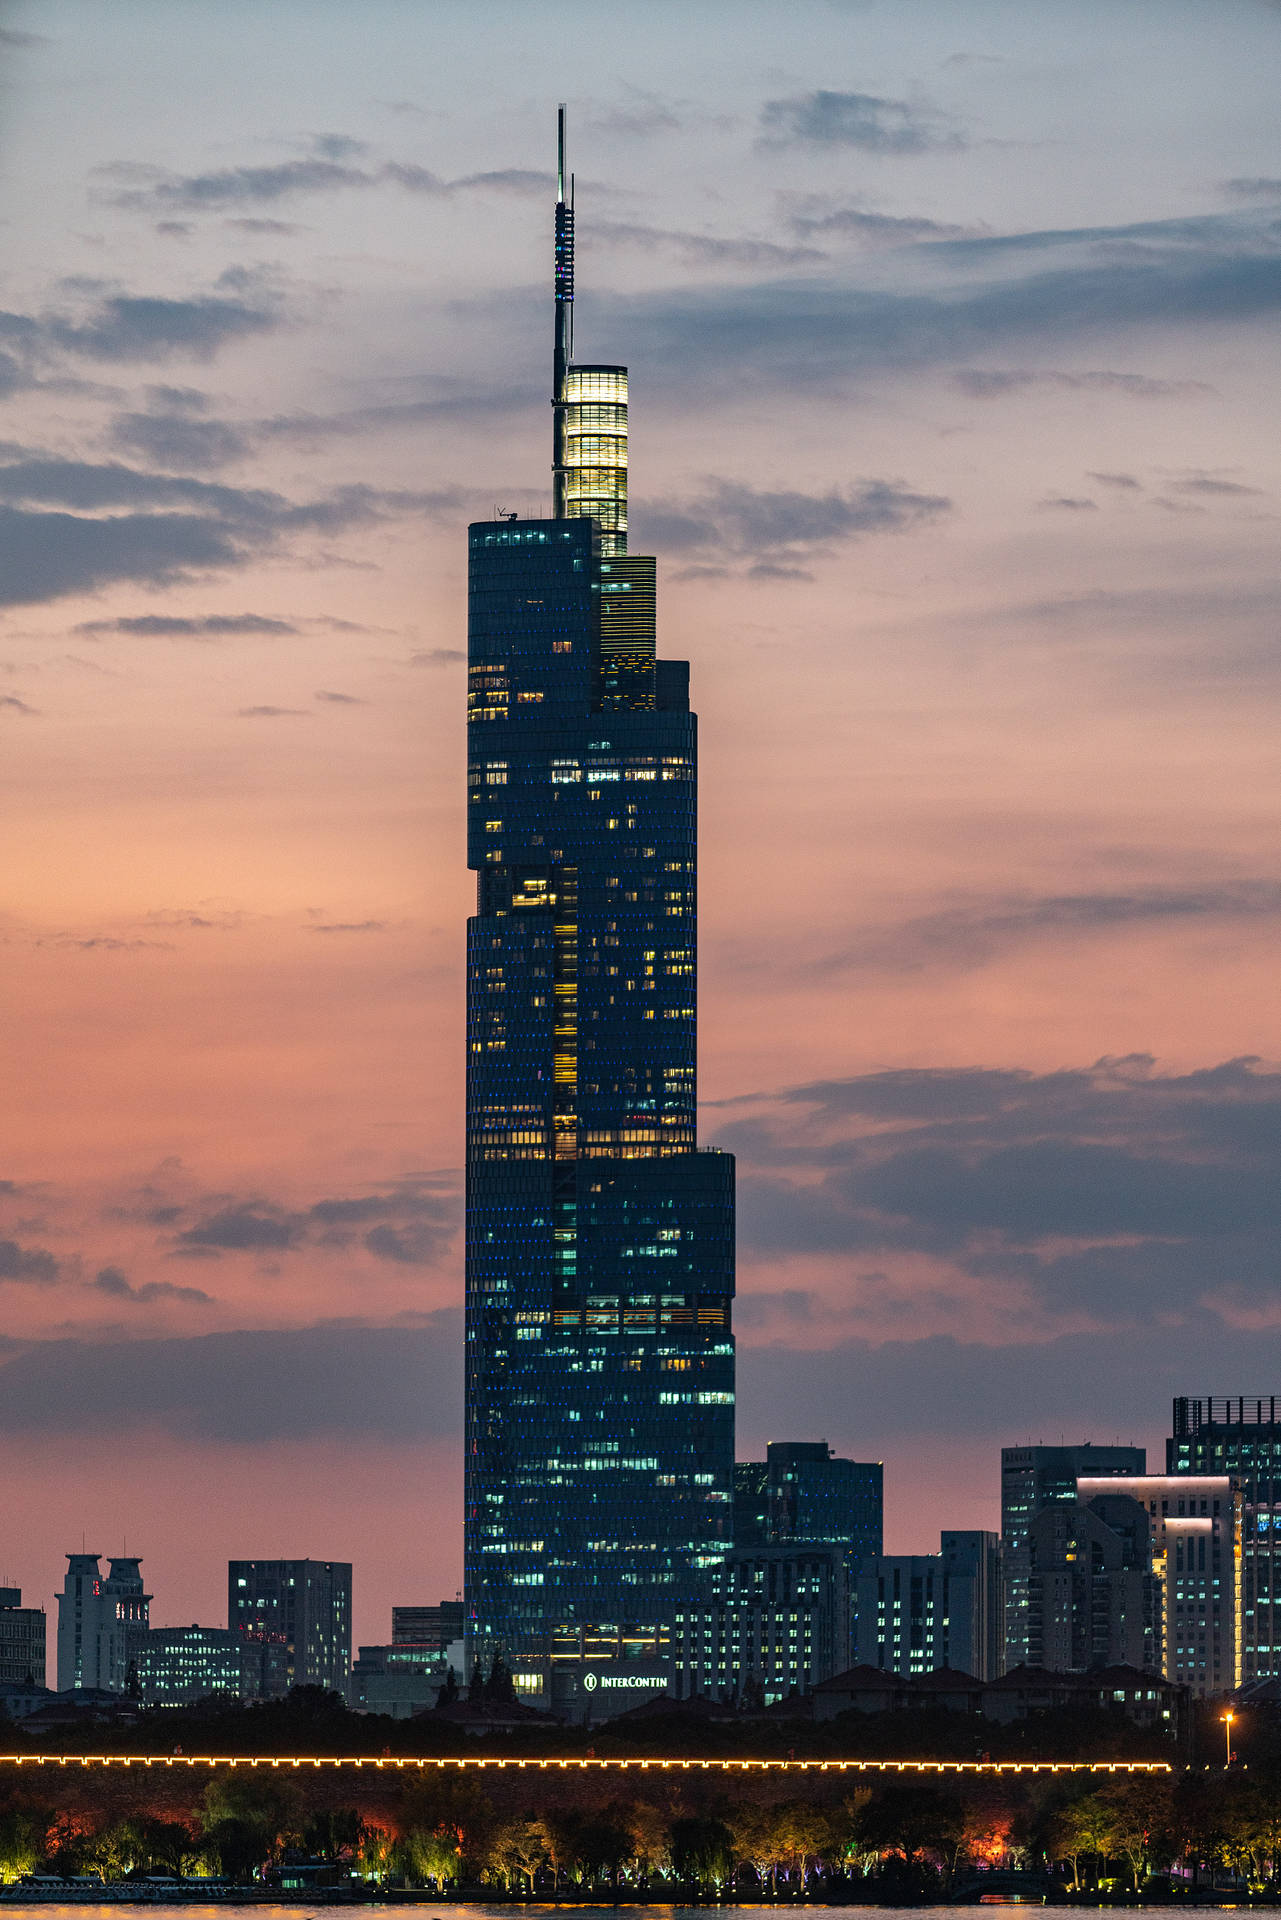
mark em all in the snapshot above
pixel 702 1851
pixel 517 1847
pixel 23 1841
pixel 1141 1814
pixel 916 1823
pixel 1085 1827
pixel 247 1820
pixel 444 1822
pixel 651 1837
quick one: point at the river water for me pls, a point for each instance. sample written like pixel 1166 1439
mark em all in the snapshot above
pixel 481 1910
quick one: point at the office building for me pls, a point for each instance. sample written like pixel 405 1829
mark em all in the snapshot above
pixel 1033 1478
pixel 802 1491
pixel 177 1666
pixel 1196 1557
pixel 774 1622
pixel 401 1680
pixel 916 1613
pixel 101 1619
pixel 432 1629
pixel 296 1614
pixel 1242 1438
pixel 600 1240
pixel 22 1640
pixel 1092 1597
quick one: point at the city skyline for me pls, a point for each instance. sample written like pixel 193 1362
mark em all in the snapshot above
pixel 946 349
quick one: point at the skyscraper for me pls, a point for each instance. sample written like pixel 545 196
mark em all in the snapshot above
pixel 1242 1438
pixel 600 1241
pixel 1033 1478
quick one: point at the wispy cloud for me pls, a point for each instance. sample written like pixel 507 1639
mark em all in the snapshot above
pixel 775 529
pixel 173 626
pixel 862 120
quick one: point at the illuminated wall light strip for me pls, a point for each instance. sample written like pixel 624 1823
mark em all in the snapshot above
pixel 403 1763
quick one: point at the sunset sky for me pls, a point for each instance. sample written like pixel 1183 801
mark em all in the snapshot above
pixel 954 369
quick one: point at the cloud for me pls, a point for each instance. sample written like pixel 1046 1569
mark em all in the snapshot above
pixel 808 333
pixel 118 529
pixel 12 704
pixel 991 383
pixel 241 1229
pixel 408 1224
pixel 172 626
pixel 734 518
pixel 395 1384
pixel 1124 482
pixel 1112 1191
pixel 896 1391
pixel 407 1246
pixel 1255 187
pixel 175 440
pixel 111 1281
pixel 350 926
pixel 972 932
pixel 438 657
pixel 1063 502
pixel 862 120
pixel 1216 486
pixel 701 248
pixel 151 327
pixel 329 169
pixel 31 1265
pixel 342 699
pixel 272 713
pixel 817 216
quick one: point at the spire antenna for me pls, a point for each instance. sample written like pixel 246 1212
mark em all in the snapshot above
pixel 564 290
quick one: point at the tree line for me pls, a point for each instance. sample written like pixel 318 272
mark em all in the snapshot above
pixel 893 1837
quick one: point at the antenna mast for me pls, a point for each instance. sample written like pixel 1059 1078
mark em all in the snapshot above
pixel 564 288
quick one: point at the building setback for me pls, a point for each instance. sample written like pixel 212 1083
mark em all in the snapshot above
pixel 600 1240
pixel 294 1618
pixel 1031 1479
pixel 1196 1557
pixel 1242 1438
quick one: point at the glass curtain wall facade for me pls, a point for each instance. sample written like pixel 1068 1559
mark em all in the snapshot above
pixel 1242 1438
pixel 600 1241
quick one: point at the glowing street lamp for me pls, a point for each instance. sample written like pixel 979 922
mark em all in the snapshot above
pixel 1228 1718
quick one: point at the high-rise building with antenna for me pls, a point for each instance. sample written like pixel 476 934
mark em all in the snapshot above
pixel 600 1240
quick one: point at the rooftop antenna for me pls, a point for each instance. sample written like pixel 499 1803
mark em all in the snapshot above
pixel 564 290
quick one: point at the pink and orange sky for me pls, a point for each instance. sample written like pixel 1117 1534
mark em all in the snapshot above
pixel 954 358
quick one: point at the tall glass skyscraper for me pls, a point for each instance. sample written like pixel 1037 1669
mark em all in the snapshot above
pixel 600 1241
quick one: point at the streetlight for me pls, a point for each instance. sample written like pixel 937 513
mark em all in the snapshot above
pixel 1228 1718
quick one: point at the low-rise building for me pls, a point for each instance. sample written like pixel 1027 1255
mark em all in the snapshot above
pixel 176 1666
pixel 402 1680
pixel 1147 1699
